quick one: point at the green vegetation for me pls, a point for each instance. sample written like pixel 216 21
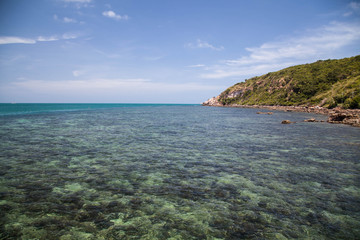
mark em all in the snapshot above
pixel 329 83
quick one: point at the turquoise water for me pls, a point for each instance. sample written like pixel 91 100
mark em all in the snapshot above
pixel 31 108
pixel 175 172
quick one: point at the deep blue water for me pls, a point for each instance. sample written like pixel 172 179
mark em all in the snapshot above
pixel 118 171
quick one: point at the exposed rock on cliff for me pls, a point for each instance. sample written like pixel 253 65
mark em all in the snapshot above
pixel 214 101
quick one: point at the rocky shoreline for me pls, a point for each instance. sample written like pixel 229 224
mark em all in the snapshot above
pixel 335 115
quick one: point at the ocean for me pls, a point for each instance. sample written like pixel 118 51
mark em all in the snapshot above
pixel 163 171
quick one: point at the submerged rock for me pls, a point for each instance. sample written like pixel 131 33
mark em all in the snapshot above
pixel 268 113
pixel 287 122
pixel 311 120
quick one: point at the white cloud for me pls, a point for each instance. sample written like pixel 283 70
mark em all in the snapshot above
pixel 197 66
pixel 65 19
pixel 69 20
pixel 11 40
pixel 47 39
pixel 113 15
pixel 68 36
pixel 202 44
pixel 78 3
pixel 311 45
pixel 314 43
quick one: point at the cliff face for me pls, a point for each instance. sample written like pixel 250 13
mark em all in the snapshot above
pixel 329 83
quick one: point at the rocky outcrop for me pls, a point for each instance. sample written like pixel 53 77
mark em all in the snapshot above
pixel 345 117
pixel 235 94
pixel 214 101
pixel 239 93
pixel 337 115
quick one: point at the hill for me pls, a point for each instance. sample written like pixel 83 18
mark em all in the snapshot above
pixel 325 83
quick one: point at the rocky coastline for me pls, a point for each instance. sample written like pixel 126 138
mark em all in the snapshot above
pixel 335 115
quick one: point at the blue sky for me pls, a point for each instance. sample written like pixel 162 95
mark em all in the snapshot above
pixel 161 51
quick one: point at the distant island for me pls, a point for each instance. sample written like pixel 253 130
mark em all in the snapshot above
pixel 326 86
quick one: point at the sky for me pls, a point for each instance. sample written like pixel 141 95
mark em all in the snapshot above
pixel 161 51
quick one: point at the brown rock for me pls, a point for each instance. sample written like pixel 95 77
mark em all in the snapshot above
pixel 286 122
pixel 345 117
pixel 311 120
pixel 337 117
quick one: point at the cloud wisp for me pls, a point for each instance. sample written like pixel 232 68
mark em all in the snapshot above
pixel 64 19
pixel 47 39
pixel 69 20
pixel 11 40
pixel 78 3
pixel 197 66
pixel 354 8
pixel 313 44
pixel 113 15
pixel 21 40
pixel 203 44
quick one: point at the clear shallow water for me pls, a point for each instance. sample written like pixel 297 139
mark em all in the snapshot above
pixel 176 172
